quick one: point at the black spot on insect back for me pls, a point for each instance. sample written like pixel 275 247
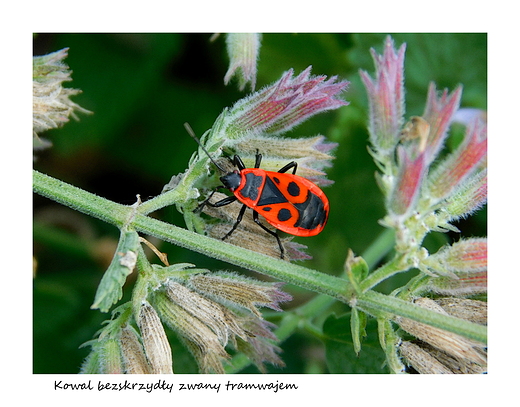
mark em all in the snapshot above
pixel 293 189
pixel 284 215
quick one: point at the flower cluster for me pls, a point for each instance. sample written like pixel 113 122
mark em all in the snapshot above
pixel 423 191
pixel 426 191
pixel 255 123
pixel 51 104
pixel 208 311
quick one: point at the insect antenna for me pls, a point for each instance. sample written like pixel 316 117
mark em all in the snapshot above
pixel 192 134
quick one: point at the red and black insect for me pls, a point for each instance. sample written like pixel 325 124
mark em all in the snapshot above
pixel 288 202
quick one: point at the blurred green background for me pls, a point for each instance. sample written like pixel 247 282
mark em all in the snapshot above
pixel 142 88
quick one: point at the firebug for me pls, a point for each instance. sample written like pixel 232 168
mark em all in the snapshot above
pixel 287 201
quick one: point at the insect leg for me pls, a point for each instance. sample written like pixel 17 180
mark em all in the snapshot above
pixel 257 221
pixel 239 219
pixel 237 162
pixel 258 159
pixel 223 202
pixel 292 164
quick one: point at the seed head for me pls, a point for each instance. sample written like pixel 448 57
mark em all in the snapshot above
pixel 51 104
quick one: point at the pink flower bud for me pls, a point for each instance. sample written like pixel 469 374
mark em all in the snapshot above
pixel 458 166
pixel 464 256
pixel 464 266
pixel 386 97
pixel 243 52
pixel 470 198
pixel 286 103
pixel 408 184
pixel 471 283
pixel 439 113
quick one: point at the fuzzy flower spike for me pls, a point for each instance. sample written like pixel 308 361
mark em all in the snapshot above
pixel 210 312
pixel 386 97
pixel 279 107
pixel 243 50
pixel 258 121
pixel 52 106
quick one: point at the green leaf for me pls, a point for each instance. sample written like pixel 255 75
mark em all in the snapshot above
pixel 359 268
pixel 356 269
pixel 340 353
pixel 110 289
pixel 358 323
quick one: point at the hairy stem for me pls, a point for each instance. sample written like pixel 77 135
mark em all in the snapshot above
pixel 387 270
pixel 376 303
pixel 338 288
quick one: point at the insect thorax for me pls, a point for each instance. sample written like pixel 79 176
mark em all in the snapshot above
pixel 231 180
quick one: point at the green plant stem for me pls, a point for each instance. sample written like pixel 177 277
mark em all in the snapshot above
pixel 158 202
pixel 397 307
pixel 288 272
pixel 120 215
pixel 127 216
pixel 81 200
pixel 394 266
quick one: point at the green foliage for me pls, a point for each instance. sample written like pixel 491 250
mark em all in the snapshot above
pixel 110 288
